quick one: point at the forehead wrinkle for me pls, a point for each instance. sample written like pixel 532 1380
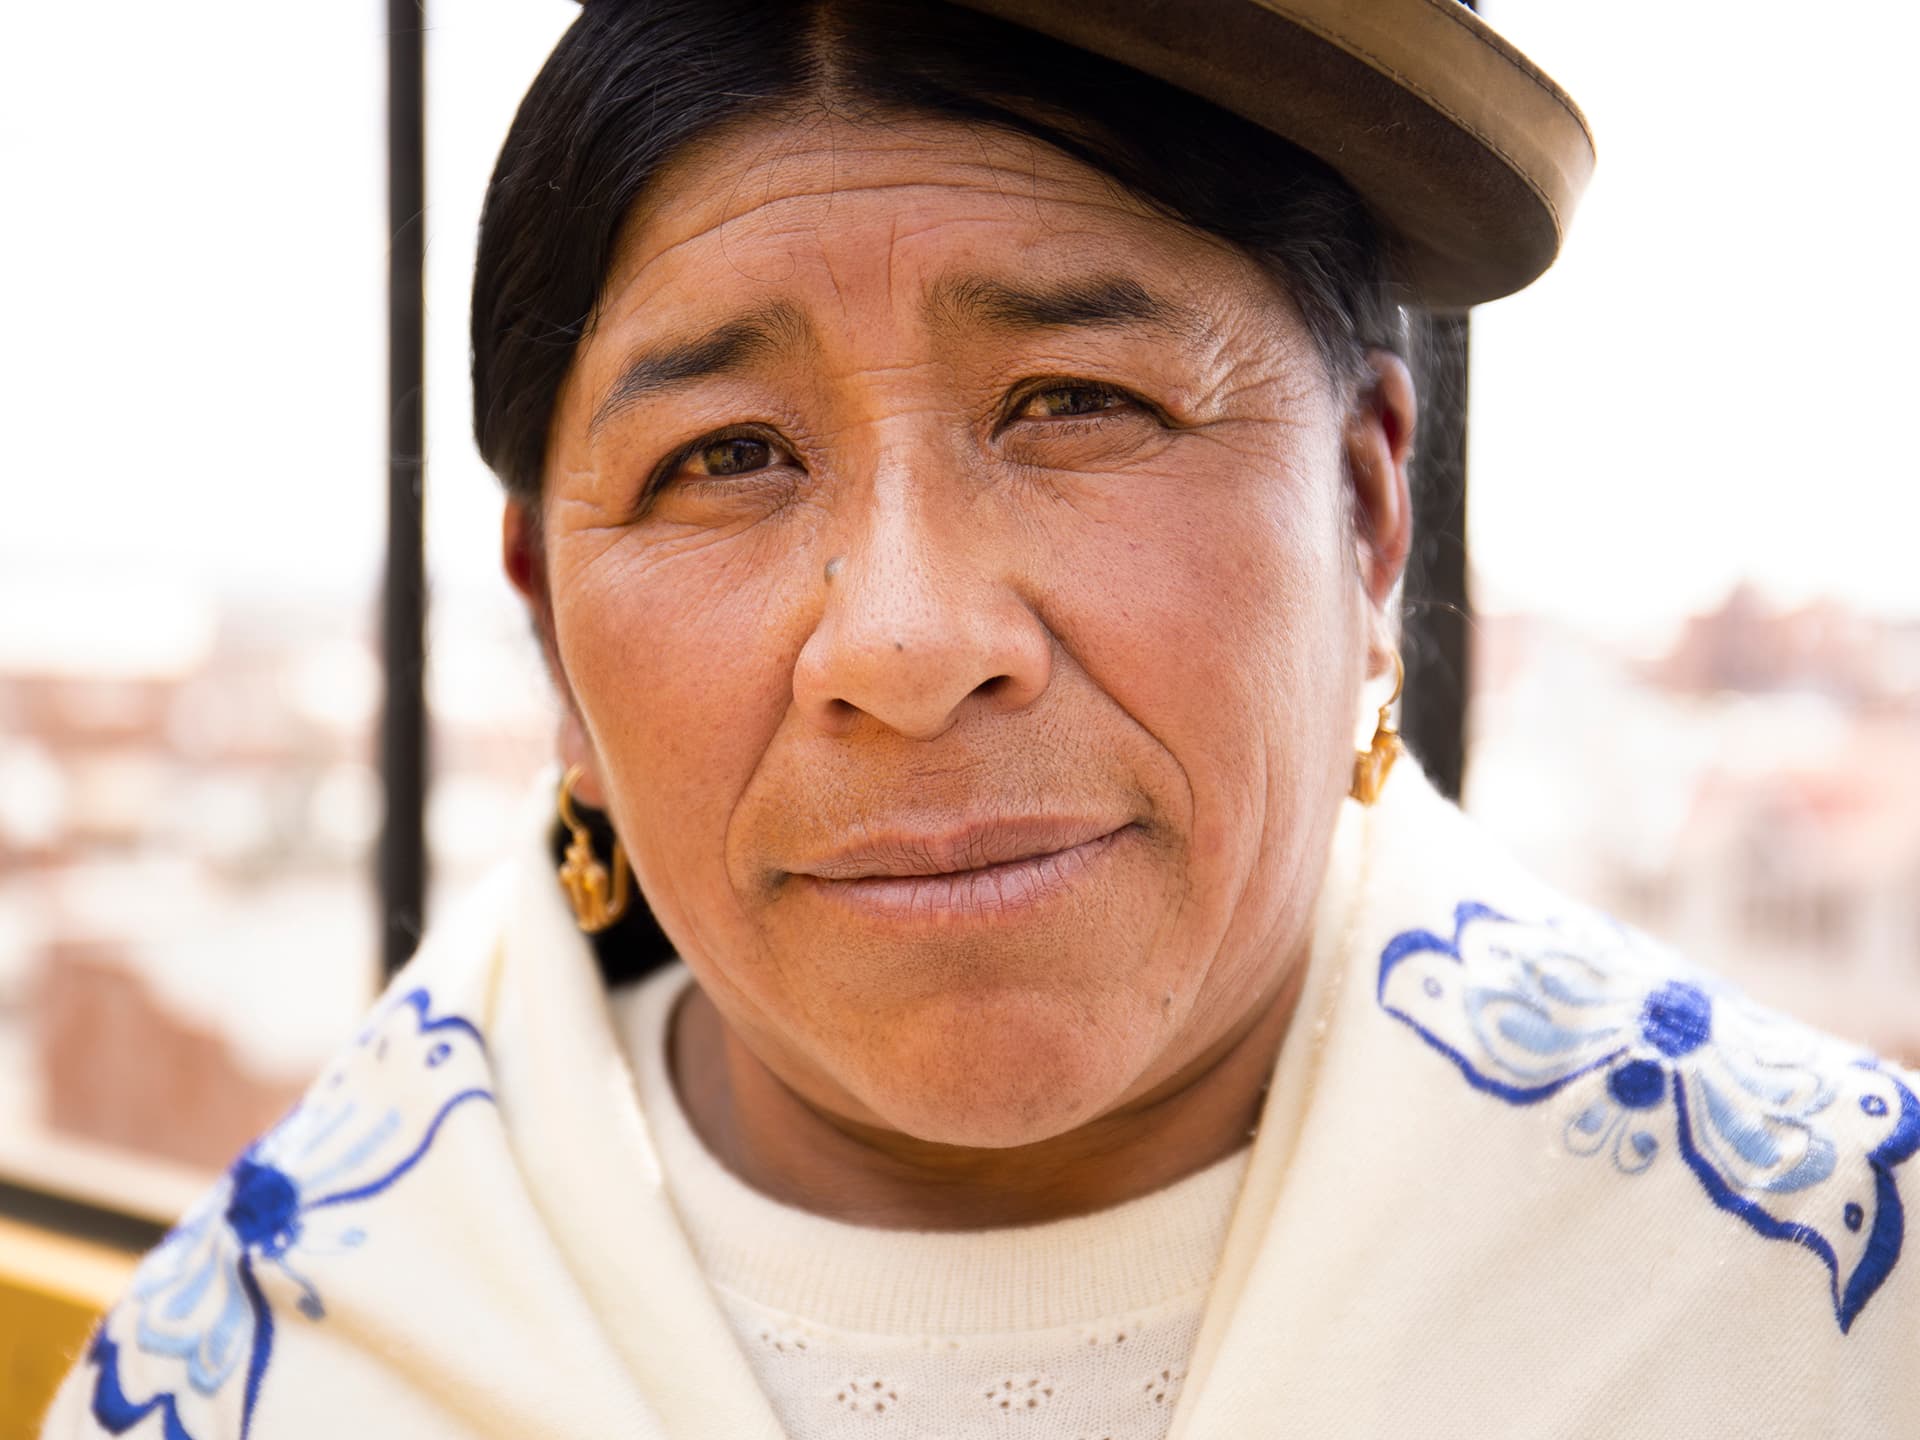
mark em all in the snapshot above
pixel 641 239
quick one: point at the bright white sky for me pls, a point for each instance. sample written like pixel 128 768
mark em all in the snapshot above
pixel 1717 381
pixel 1719 378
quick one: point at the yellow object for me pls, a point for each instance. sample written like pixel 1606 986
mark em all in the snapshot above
pixel 1371 766
pixel 598 901
pixel 52 1289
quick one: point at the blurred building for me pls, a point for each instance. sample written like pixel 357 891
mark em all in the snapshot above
pixel 1752 795
pixel 187 917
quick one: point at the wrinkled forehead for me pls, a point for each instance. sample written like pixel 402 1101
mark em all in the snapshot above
pixel 908 220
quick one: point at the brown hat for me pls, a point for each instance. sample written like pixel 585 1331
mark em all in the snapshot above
pixel 1470 156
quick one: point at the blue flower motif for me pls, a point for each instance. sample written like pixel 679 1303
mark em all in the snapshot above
pixel 1789 1130
pixel 196 1317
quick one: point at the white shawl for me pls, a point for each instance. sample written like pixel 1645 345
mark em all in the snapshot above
pixel 1520 1173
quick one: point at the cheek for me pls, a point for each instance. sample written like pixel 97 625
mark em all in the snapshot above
pixel 682 675
pixel 1240 631
pixel 1213 607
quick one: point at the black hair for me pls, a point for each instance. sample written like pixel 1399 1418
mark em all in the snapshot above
pixel 633 82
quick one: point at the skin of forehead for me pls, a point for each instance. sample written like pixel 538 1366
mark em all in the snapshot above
pixel 781 179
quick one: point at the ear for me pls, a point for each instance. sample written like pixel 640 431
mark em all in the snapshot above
pixel 1379 446
pixel 523 555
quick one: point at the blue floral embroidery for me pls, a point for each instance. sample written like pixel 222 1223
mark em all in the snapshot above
pixel 195 1317
pixel 1789 1130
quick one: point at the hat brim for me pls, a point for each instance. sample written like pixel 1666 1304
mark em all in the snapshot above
pixel 1468 154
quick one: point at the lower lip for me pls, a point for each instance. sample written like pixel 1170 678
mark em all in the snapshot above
pixel 995 892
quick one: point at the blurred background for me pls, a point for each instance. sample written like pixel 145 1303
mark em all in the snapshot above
pixel 1693 509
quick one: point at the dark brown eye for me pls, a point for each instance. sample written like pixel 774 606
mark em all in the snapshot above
pixel 735 455
pixel 1066 401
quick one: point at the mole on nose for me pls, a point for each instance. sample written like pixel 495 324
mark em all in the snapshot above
pixel 834 567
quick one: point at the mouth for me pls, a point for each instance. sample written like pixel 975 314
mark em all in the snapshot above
pixel 972 875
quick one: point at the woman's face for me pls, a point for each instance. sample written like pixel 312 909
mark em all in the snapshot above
pixel 963 579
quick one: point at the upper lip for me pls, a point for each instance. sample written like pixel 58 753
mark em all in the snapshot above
pixel 952 850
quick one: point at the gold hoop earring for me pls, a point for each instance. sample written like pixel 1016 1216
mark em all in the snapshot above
pixel 598 899
pixel 1371 766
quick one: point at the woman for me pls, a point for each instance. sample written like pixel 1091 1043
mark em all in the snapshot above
pixel 959 480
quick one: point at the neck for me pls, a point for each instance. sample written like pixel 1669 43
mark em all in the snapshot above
pixel 800 1155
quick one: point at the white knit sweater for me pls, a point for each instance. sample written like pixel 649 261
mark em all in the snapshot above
pixel 1081 1327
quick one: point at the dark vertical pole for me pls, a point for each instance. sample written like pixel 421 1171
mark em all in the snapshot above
pixel 403 729
pixel 1438 615
pixel 1439 619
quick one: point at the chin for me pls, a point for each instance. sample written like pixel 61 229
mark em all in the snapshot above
pixel 999 1071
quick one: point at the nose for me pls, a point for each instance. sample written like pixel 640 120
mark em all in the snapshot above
pixel 921 621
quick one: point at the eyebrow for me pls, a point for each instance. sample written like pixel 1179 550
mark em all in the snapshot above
pixel 1096 301
pixel 728 347
pixel 978 301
